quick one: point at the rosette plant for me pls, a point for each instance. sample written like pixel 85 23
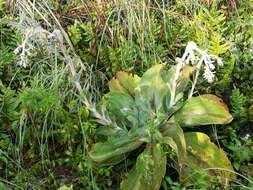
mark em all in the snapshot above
pixel 153 112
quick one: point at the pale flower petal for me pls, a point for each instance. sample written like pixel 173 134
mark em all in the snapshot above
pixel 208 74
pixel 205 59
pixel 219 61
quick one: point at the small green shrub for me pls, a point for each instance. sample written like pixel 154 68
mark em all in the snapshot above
pixel 39 99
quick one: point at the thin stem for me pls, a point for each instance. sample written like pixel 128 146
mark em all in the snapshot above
pixel 174 83
pixel 194 83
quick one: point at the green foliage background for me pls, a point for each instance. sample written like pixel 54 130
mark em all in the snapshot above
pixel 45 129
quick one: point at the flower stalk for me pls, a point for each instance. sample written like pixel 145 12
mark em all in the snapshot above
pixel 199 58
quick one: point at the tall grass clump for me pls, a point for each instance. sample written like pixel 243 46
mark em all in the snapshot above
pixel 51 126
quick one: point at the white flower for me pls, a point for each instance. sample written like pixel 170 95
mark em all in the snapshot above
pixel 178 60
pixel 205 59
pixel 125 110
pixel 219 61
pixel 211 66
pixel 192 57
pixel 192 45
pixel 17 50
pixel 208 74
pixel 189 55
pixel 24 53
pixel 247 137
pixel 32 37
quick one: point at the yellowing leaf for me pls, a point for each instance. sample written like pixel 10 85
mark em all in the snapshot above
pixel 124 82
pixel 203 154
pixel 149 170
pixel 203 110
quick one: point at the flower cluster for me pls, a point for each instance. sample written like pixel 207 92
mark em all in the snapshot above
pixel 24 50
pixel 35 35
pixel 24 53
pixel 205 59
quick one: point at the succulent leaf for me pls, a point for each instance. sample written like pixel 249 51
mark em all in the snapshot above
pixel 203 154
pixel 149 170
pixel 174 131
pixel 121 108
pixel 152 90
pixel 155 87
pixel 116 146
pixel 124 82
pixel 203 110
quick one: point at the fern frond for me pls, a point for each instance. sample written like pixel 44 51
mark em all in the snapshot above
pixel 238 101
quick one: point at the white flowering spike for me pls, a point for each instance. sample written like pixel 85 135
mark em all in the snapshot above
pixel 205 59
pixel 34 36
pixel 202 58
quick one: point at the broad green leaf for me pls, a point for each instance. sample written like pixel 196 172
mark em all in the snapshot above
pixel 108 131
pixel 203 110
pixel 174 131
pixel 152 90
pixel 203 154
pixel 149 170
pixel 121 109
pixel 116 146
pixel 112 161
pixel 124 82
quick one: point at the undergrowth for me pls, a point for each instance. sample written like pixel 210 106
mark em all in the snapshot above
pixel 71 49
